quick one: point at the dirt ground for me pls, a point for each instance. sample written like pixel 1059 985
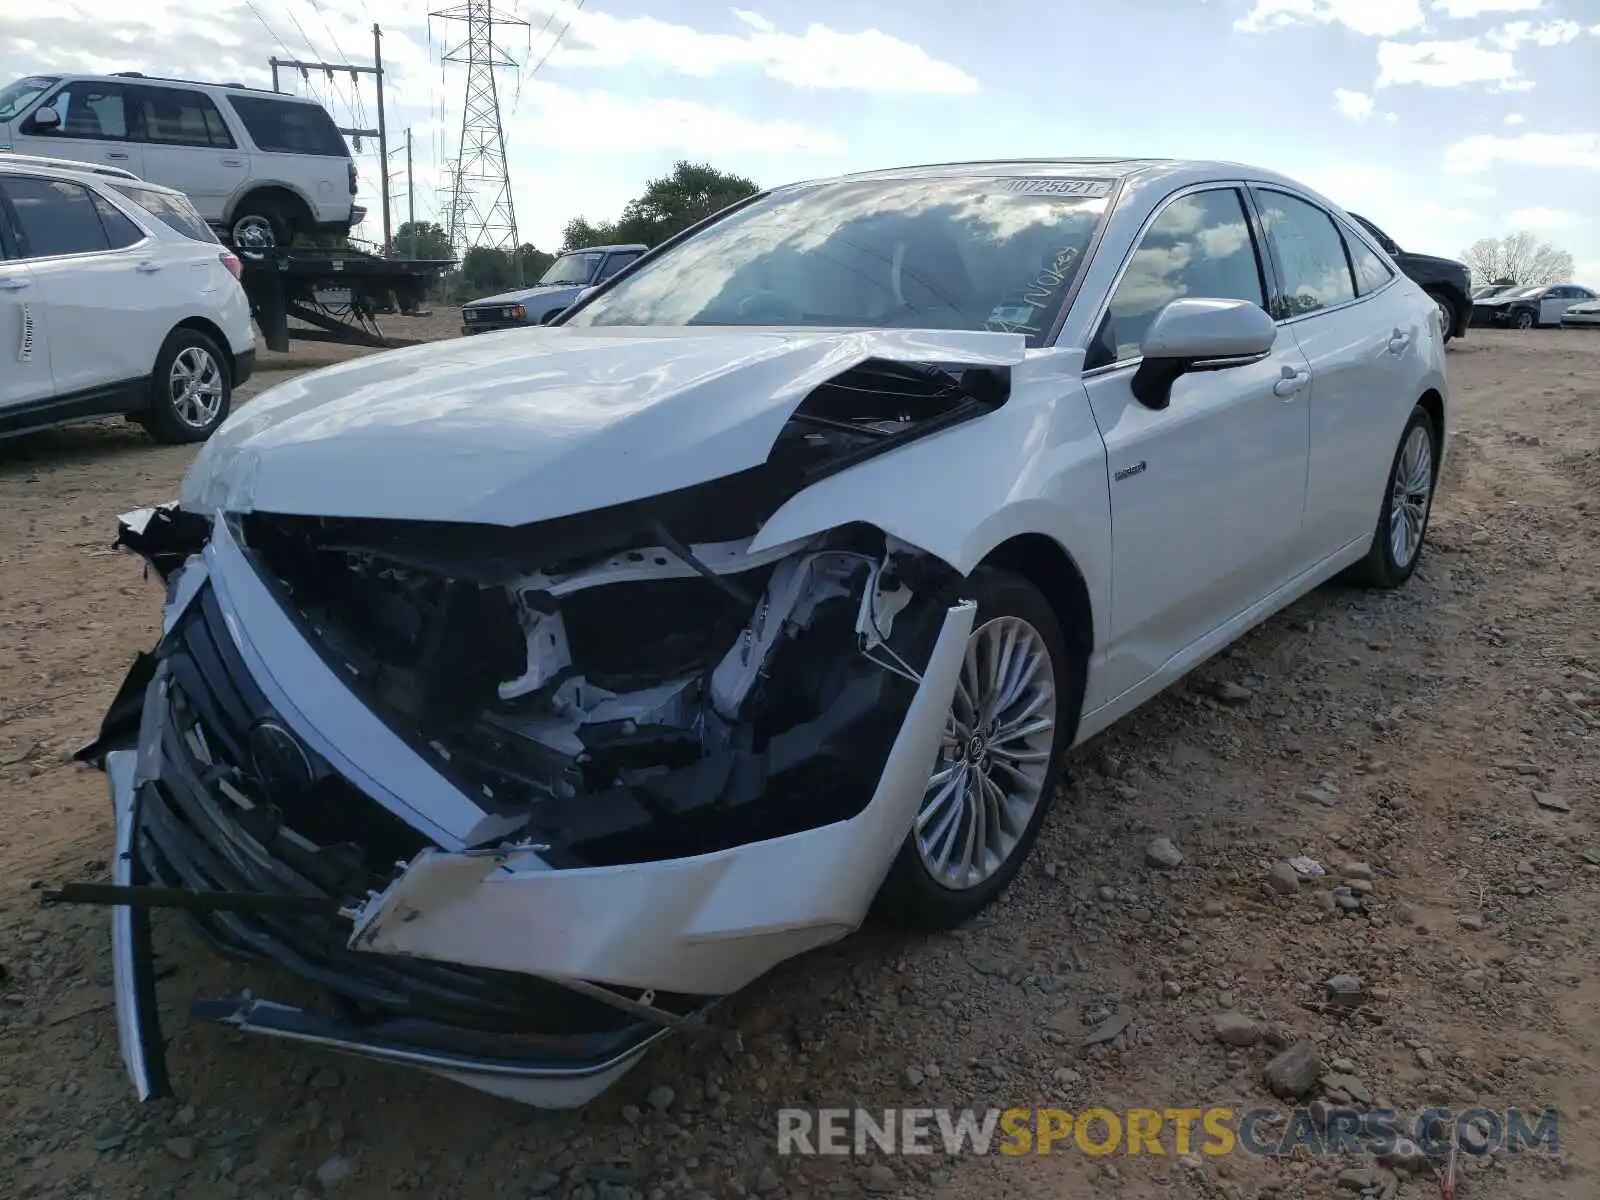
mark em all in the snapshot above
pixel 1405 734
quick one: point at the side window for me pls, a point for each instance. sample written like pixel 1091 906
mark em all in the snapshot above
pixel 1198 246
pixel 614 264
pixel 289 126
pixel 1310 252
pixel 55 217
pixel 87 110
pixel 171 211
pixel 1371 271
pixel 178 117
pixel 120 232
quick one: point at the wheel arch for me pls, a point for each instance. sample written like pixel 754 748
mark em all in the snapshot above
pixel 280 193
pixel 1432 403
pixel 211 330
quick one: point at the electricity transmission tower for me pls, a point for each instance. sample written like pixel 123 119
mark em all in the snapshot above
pixel 480 209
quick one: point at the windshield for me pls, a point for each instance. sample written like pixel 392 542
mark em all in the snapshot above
pixel 572 268
pixel 1492 289
pixel 970 253
pixel 17 96
pixel 1517 293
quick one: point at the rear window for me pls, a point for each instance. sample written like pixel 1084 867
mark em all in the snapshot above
pixel 289 126
pixel 174 212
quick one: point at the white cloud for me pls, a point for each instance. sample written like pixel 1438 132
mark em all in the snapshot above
pixel 1515 119
pixel 821 57
pixel 1540 217
pixel 1467 9
pixel 599 122
pixel 1482 151
pixel 1373 18
pixel 1443 64
pixel 1355 105
pixel 1474 191
pixel 1548 33
pixel 1587 272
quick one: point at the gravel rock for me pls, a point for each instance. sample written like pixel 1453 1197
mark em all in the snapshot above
pixel 661 1098
pixel 336 1172
pixel 881 1178
pixel 1110 1027
pixel 181 1147
pixel 1346 991
pixel 1162 853
pixel 1234 693
pixel 1283 879
pixel 1235 1029
pixel 1552 802
pixel 1294 1072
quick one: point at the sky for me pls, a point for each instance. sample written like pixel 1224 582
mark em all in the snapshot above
pixel 1443 121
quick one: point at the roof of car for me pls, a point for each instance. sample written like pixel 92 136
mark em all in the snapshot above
pixel 79 172
pixel 1180 170
pixel 140 77
pixel 619 246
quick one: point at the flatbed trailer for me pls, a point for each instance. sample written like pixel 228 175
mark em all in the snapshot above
pixel 340 293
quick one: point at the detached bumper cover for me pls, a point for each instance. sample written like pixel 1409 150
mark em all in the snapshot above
pixel 485 966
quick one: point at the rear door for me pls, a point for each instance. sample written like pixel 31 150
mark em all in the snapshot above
pixel 296 143
pixel 24 329
pixel 187 145
pixel 91 266
pixel 93 127
pixel 1555 302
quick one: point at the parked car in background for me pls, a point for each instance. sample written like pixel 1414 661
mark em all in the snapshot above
pixel 562 283
pixel 261 166
pixel 1493 289
pixel 115 297
pixel 1449 282
pixel 1583 315
pixel 1530 307
pixel 531 694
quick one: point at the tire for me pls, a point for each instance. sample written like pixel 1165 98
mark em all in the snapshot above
pixel 1449 314
pixel 913 896
pixel 1385 566
pixel 1523 319
pixel 260 225
pixel 180 413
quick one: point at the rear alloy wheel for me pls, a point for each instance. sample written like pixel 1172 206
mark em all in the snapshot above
pixel 1523 319
pixel 1407 504
pixel 1010 723
pixel 259 227
pixel 191 389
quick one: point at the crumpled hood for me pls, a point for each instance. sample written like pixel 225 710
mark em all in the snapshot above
pixel 527 425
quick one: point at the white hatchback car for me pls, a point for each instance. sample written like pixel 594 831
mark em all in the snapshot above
pixel 530 692
pixel 115 297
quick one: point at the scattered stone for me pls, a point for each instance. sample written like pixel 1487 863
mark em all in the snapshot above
pixel 1110 1027
pixel 326 1080
pixel 1356 1179
pixel 109 1139
pixel 543 1183
pixel 1215 908
pixel 767 1180
pixel 1172 989
pixel 913 1077
pixel 1294 1072
pixel 1235 1029
pixel 336 1172
pixel 1234 693
pixel 1344 1085
pixel 661 1098
pixel 181 1147
pixel 881 1178
pixel 1405 1155
pixel 1346 991
pixel 1591 855
pixel 1162 853
pixel 1307 868
pixel 1551 801
pixel 1283 879
pixel 1357 870
pixel 1472 921
pixel 1319 796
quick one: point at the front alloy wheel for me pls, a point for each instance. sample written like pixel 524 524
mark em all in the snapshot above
pixel 1524 320
pixel 1010 722
pixel 995 755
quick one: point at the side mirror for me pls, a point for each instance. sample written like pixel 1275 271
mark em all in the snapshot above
pixel 1199 335
pixel 46 118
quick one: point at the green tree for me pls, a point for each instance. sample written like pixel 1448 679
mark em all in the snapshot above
pixel 534 262
pixel 486 270
pixel 422 239
pixel 689 193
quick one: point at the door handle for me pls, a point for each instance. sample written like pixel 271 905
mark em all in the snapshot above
pixel 1291 382
pixel 116 154
pixel 233 162
pixel 1398 341
pixel 148 267
pixel 14 284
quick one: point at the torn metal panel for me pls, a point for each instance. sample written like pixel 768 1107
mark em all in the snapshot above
pixel 710 923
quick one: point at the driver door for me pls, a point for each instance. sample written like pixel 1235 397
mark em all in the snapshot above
pixel 1553 303
pixel 1207 494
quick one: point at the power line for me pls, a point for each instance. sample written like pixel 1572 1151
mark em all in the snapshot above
pixel 549 50
pixel 268 28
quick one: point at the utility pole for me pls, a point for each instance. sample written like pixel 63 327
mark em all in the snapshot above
pixel 481 210
pixel 411 196
pixel 383 136
pixel 355 72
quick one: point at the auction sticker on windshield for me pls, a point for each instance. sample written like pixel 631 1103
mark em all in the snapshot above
pixel 1057 187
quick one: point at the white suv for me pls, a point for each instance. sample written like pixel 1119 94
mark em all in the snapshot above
pixel 261 166
pixel 115 297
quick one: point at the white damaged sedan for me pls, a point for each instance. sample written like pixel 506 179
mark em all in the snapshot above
pixel 527 694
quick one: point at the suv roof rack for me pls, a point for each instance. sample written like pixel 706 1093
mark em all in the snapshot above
pixel 234 86
pixel 67 164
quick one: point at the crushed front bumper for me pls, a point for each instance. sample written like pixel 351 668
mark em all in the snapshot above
pixel 486 966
